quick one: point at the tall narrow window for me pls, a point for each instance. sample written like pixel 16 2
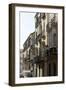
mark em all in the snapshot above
pixel 49 70
pixel 54 69
pixel 54 39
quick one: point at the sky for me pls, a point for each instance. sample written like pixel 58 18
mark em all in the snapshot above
pixel 27 26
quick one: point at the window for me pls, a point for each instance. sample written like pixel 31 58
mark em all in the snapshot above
pixel 54 69
pixel 49 70
pixel 54 39
pixel 47 52
pixel 43 15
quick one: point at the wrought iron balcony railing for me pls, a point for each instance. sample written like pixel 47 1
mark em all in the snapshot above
pixel 51 52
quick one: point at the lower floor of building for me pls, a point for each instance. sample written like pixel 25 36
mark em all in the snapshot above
pixel 48 67
pixel 45 68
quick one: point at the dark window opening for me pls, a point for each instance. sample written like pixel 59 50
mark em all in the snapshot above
pixel 49 70
pixel 54 69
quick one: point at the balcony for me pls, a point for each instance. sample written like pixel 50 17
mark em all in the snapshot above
pixel 51 53
pixel 44 55
pixel 36 60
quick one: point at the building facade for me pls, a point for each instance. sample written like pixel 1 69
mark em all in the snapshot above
pixel 41 47
pixel 52 34
pixel 21 63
